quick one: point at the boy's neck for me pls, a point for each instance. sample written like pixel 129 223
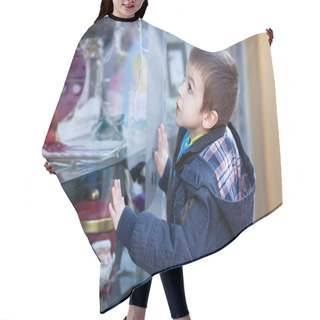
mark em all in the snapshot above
pixel 193 134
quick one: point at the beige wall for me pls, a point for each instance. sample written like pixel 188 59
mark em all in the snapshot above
pixel 262 116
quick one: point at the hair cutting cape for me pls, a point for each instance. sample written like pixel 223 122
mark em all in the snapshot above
pixel 121 85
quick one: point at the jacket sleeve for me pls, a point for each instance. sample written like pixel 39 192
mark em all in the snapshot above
pixel 155 245
pixel 164 180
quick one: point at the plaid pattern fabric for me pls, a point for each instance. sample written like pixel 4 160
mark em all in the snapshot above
pixel 224 158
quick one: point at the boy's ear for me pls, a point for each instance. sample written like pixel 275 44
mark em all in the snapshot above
pixel 210 119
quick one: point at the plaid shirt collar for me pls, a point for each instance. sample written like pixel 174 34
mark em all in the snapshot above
pixel 198 145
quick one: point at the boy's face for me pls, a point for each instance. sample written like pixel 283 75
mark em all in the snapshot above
pixel 189 103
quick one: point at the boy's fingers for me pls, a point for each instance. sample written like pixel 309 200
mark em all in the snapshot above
pixel 113 215
pixel 162 139
pixel 159 139
pixel 115 188
pixel 112 194
pixel 114 197
pixel 119 190
pixel 164 135
pixel 162 129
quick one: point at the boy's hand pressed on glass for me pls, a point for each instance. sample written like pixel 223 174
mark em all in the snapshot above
pixel 161 156
pixel 118 203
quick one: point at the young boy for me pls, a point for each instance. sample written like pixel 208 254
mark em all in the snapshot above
pixel 210 187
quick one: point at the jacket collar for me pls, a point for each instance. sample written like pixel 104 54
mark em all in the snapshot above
pixel 189 154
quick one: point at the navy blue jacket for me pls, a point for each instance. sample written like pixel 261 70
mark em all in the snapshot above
pixel 199 220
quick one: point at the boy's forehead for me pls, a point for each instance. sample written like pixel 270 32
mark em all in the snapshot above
pixel 193 72
pixel 191 68
pixel 188 65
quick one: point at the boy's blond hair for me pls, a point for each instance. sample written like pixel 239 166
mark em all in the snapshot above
pixel 220 75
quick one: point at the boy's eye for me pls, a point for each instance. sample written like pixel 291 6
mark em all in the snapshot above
pixel 189 88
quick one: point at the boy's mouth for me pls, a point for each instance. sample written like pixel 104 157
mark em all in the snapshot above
pixel 177 108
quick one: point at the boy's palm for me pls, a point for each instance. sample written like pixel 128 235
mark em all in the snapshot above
pixel 118 203
pixel 161 156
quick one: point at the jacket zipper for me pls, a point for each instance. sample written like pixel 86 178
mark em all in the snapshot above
pixel 185 210
pixel 172 186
